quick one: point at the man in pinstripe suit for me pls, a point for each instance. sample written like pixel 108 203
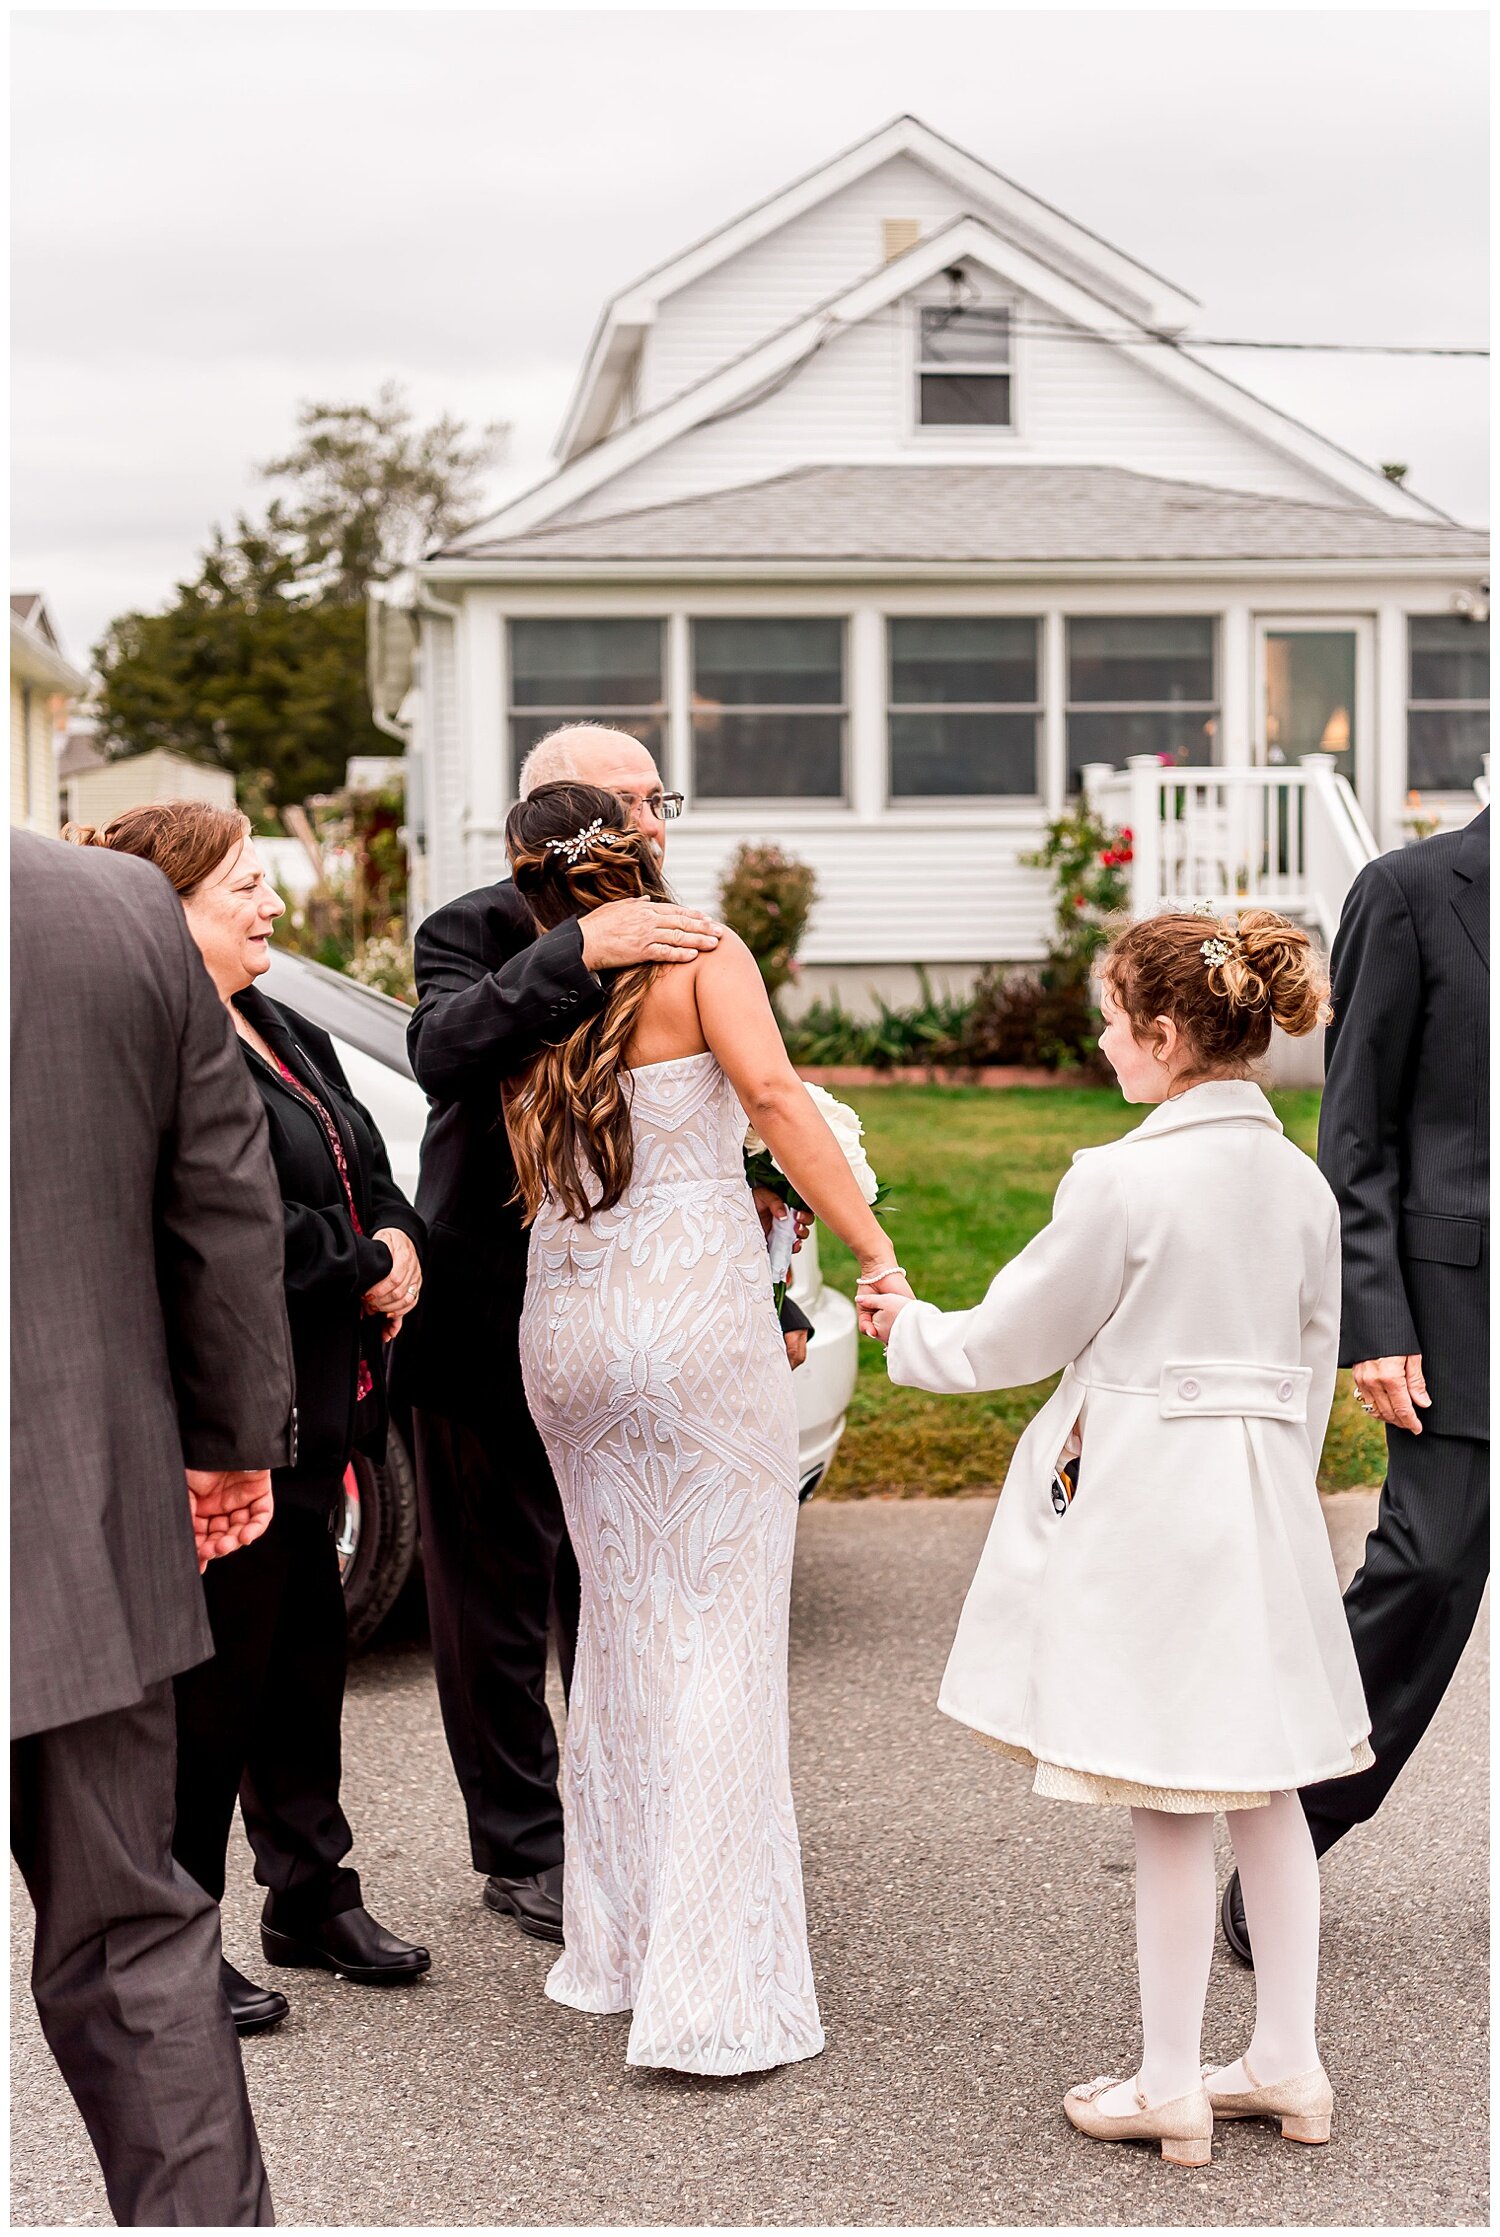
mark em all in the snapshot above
pixel 1404 1141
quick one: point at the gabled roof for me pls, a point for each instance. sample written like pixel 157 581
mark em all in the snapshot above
pixel 967 239
pixel 1130 287
pixel 36 653
pixel 1036 515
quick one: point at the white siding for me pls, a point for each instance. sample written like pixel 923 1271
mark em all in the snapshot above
pixel 442 746
pixel 888 894
pixel 1078 402
pixel 716 319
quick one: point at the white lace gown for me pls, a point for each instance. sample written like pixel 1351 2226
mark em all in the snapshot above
pixel 657 1376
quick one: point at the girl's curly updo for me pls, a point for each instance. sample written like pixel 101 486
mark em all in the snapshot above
pixel 1223 986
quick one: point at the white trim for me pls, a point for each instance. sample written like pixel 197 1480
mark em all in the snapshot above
pixel 543 576
pixel 1133 287
pixel 966 238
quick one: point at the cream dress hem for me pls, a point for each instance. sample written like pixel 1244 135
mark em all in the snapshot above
pixel 1058 1784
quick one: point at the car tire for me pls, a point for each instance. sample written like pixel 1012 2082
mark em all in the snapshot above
pixel 375 1529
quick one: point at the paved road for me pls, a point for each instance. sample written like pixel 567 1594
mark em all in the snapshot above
pixel 973 1954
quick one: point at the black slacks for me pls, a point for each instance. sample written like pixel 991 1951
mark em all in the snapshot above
pixel 125 1971
pixel 262 1719
pixel 500 1570
pixel 1411 1609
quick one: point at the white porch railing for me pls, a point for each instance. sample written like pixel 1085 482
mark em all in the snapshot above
pixel 1289 838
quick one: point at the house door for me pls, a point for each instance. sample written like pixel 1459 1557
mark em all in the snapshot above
pixel 1316 693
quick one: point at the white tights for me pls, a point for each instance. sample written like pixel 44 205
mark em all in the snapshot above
pixel 1174 1926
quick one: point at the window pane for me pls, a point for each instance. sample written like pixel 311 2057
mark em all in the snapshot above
pixel 769 757
pixel 966 400
pixel 1450 657
pixel 525 730
pixel 1443 750
pixel 1149 656
pixel 965 335
pixel 963 753
pixel 1187 740
pixel 961 661
pixel 615 663
pixel 768 663
pixel 1310 695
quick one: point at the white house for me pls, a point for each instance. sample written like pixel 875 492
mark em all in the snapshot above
pixel 886 511
pixel 43 685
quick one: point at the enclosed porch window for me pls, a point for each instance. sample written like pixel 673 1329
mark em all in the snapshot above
pixel 1141 683
pixel 605 670
pixel 963 706
pixel 1448 710
pixel 768 708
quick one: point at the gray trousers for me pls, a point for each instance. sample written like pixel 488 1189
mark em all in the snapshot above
pixel 125 1972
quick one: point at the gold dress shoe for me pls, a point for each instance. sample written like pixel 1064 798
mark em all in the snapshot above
pixel 1184 2126
pixel 1303 2104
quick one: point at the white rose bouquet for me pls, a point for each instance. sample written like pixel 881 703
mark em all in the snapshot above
pixel 762 1171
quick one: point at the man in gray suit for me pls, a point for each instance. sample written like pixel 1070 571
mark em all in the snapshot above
pixel 148 1336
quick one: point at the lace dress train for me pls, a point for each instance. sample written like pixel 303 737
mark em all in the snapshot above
pixel 658 1379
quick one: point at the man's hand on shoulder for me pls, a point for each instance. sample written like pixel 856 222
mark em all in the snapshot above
pixel 624 933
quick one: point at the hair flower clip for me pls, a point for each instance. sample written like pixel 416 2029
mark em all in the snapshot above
pixel 583 838
pixel 1215 952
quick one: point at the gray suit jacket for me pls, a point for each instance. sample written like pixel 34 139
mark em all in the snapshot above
pixel 148 1326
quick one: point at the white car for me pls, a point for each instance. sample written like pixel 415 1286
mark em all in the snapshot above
pixel 377 1529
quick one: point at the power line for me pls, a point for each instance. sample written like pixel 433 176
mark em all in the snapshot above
pixel 1060 330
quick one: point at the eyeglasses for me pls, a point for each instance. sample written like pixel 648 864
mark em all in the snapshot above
pixel 665 807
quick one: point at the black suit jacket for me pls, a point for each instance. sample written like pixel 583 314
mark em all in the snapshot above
pixel 491 993
pixel 1404 1133
pixel 328 1266
pixel 147 1322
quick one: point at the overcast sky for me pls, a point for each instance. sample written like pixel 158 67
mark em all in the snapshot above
pixel 217 214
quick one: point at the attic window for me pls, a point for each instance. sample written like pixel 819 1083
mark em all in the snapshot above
pixel 963 365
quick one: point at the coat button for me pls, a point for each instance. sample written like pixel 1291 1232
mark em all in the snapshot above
pixel 1284 1391
pixel 1188 1388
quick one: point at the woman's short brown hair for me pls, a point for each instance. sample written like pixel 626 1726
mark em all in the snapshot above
pixel 186 839
pixel 1223 985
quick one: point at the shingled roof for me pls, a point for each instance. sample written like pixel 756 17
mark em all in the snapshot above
pixel 984 514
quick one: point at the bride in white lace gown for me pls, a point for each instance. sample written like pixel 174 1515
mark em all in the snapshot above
pixel 658 1379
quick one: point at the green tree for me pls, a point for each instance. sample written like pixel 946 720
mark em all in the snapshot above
pixel 370 491
pixel 243 671
pixel 258 663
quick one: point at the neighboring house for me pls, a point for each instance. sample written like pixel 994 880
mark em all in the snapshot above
pixel 889 509
pixel 96 790
pixel 43 685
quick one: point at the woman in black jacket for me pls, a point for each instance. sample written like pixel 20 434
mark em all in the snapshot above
pixel 261 1719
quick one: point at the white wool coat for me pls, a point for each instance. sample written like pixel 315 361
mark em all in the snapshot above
pixel 1180 1625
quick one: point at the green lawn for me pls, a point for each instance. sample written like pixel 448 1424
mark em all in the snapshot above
pixel 973 1172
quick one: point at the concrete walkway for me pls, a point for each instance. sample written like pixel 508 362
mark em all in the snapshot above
pixel 973 1953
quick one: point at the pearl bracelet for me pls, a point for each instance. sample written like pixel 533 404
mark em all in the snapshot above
pixel 879 1275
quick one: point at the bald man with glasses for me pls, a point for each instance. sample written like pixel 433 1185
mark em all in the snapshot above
pixel 498 1565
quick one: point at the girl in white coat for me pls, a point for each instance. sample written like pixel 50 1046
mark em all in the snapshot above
pixel 1172 1637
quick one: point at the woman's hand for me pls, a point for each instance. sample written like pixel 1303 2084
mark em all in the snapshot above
pixel 396 1295
pixel 883 1285
pixel 770 1206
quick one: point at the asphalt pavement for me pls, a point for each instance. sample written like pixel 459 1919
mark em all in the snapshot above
pixel 973 1953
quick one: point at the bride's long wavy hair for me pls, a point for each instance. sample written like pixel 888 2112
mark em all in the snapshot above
pixel 572 848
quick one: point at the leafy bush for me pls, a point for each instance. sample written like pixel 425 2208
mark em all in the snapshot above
pixel 929 1032
pixel 766 897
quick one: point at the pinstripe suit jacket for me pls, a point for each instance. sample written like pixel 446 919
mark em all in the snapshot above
pixel 148 1321
pixel 1404 1132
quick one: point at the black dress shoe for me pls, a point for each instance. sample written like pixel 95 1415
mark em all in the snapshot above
pixel 351 1943
pixel 1232 1919
pixel 535 1903
pixel 252 2009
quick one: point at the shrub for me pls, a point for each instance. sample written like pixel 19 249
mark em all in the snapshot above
pixel 1088 859
pixel 930 1031
pixel 766 897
